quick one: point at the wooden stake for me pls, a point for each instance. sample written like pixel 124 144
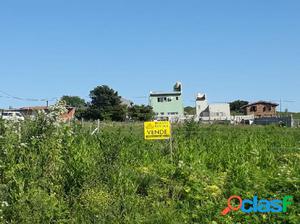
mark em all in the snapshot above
pixel 171 143
pixel 171 148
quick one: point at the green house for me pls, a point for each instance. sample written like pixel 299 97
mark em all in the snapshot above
pixel 167 105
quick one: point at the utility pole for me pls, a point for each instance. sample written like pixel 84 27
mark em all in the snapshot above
pixel 283 101
pixel 47 103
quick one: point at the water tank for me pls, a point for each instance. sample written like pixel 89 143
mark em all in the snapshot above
pixel 200 96
pixel 178 87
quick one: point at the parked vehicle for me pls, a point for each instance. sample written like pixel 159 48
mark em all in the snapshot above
pixel 12 116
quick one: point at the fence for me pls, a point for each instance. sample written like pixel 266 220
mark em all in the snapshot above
pixel 297 123
pixel 286 121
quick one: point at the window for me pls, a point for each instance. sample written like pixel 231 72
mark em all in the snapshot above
pixel 253 109
pixel 172 113
pixel 163 99
pixel 8 114
pixel 177 98
pixel 264 109
pixel 162 113
pixel 160 99
pixel 269 108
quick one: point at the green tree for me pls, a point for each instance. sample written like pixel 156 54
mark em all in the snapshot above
pixel 105 105
pixel 190 110
pixel 235 106
pixel 140 113
pixel 74 101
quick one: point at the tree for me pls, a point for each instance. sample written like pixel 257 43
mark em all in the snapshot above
pixel 140 113
pixel 235 106
pixel 190 110
pixel 105 105
pixel 74 101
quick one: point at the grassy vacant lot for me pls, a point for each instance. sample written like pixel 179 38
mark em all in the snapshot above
pixel 62 174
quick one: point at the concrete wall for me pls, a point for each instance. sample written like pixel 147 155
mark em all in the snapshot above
pixel 220 111
pixel 287 121
pixel 201 107
pixel 212 112
pixel 241 118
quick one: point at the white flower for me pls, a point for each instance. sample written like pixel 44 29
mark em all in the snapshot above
pixel 4 204
pixel 180 163
pixel 23 144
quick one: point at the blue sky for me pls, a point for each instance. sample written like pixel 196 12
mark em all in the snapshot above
pixel 242 49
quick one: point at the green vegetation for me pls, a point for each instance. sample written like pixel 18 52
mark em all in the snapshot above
pixel 294 114
pixel 74 101
pixel 235 107
pixel 140 113
pixel 190 110
pixel 52 173
pixel 107 105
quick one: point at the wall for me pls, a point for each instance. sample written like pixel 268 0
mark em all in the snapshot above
pixel 287 121
pixel 220 111
pixel 171 105
pixel 201 106
pixel 260 110
pixel 206 112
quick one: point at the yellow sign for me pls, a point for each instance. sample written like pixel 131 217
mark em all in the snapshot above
pixel 157 130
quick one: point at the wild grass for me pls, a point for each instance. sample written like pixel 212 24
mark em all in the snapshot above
pixel 63 174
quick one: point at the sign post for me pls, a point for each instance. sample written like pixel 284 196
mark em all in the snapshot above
pixel 159 130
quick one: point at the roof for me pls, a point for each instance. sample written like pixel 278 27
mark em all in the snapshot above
pixel 34 108
pixel 126 102
pixel 39 108
pixel 260 102
pixel 165 93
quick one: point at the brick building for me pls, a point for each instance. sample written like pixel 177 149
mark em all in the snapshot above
pixel 260 109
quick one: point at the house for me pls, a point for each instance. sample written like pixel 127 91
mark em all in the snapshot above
pixel 125 102
pixel 168 105
pixel 211 112
pixel 260 109
pixel 32 111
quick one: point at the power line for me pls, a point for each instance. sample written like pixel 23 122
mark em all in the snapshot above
pixel 10 96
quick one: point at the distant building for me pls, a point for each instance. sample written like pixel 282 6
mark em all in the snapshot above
pixel 211 112
pixel 168 105
pixel 201 106
pixel 33 111
pixel 125 102
pixel 260 109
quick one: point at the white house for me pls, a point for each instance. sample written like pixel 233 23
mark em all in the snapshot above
pixel 211 112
